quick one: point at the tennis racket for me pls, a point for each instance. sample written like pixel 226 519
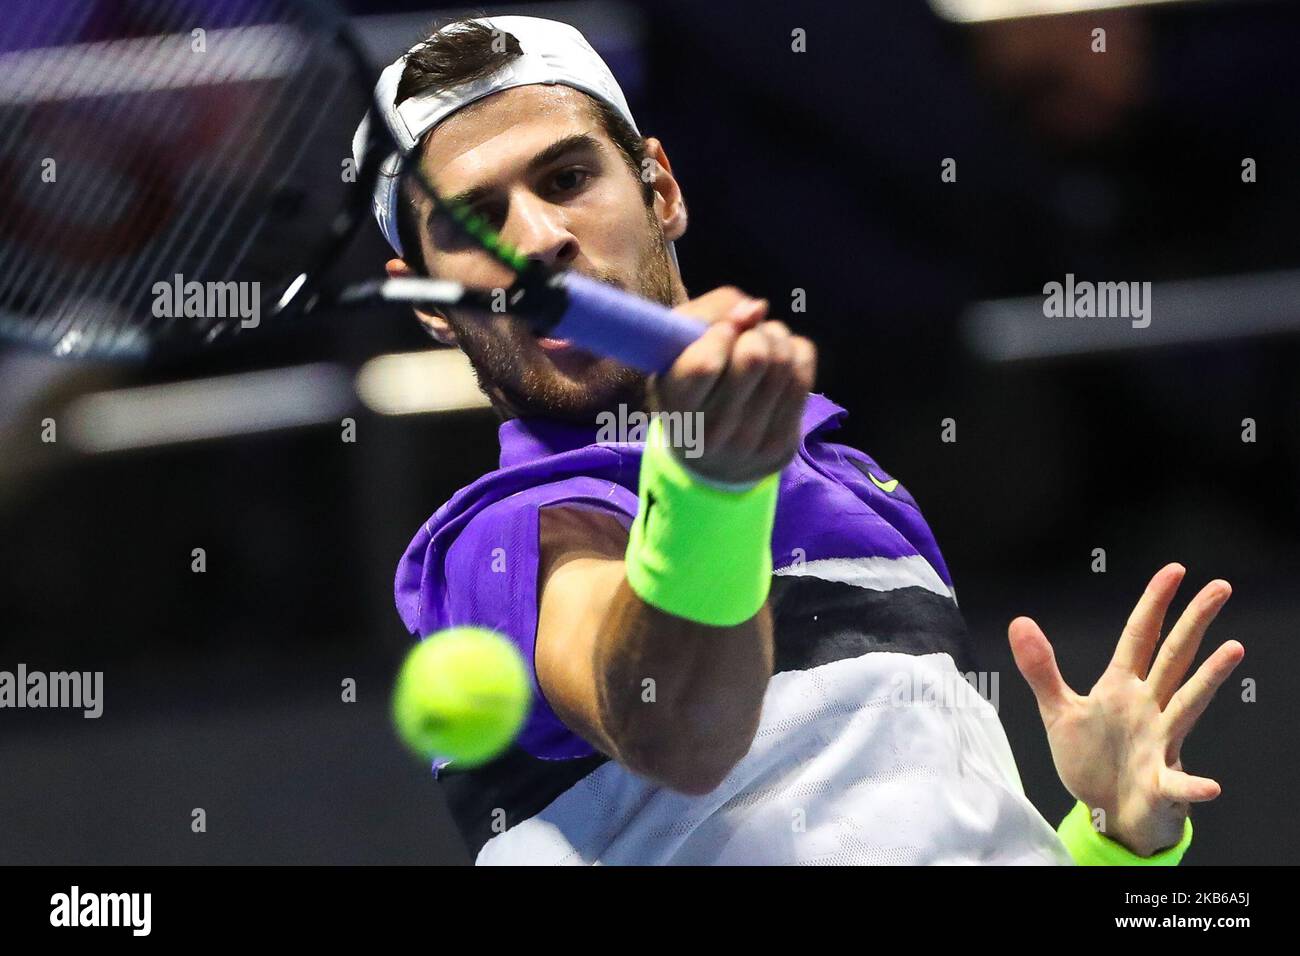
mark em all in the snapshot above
pixel 165 194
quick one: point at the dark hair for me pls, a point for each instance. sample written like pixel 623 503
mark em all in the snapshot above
pixel 470 52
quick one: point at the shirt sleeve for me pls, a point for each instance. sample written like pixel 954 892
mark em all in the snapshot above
pixel 483 572
pixel 861 474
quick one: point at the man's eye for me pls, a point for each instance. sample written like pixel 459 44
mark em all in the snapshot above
pixel 490 214
pixel 447 235
pixel 567 180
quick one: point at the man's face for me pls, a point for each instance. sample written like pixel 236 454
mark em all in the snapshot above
pixel 536 163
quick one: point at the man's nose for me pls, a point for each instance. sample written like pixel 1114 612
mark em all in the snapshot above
pixel 541 232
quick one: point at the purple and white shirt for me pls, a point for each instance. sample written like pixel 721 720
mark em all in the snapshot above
pixel 872 746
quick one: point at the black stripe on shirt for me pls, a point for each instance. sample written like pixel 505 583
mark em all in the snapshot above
pixel 819 622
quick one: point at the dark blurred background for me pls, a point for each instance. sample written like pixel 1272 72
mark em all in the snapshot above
pixel 816 171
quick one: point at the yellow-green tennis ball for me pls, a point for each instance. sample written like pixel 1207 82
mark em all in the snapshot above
pixel 462 694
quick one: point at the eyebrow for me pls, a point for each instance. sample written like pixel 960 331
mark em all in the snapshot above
pixel 561 147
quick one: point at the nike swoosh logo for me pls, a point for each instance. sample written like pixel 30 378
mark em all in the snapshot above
pixel 885 486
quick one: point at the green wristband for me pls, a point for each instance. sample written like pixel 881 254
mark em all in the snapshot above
pixel 695 551
pixel 1090 848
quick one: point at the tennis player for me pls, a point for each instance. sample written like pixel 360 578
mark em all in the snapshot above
pixel 744 651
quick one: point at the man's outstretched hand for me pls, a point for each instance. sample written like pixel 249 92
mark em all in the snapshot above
pixel 1118 748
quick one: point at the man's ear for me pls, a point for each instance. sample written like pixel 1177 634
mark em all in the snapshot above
pixel 670 205
pixel 434 322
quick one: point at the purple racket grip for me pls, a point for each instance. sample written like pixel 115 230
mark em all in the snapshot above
pixel 609 321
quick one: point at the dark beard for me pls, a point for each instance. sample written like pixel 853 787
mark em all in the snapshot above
pixel 520 390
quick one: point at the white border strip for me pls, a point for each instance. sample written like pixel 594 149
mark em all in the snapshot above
pixel 874 574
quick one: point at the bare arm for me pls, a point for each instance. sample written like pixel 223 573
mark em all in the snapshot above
pixel 674 700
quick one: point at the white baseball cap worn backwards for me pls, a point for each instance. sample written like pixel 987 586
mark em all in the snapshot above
pixel 553 52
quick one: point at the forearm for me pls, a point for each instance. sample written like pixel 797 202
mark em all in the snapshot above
pixel 661 659
pixel 678 701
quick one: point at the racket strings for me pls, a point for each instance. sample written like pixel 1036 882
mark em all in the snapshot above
pixel 74 103
pixel 63 75
pixel 201 206
pixel 206 225
pixel 170 161
pixel 18 85
pixel 130 281
pixel 284 136
pixel 80 300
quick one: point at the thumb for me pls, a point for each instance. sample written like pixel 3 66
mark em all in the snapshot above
pixel 1037 663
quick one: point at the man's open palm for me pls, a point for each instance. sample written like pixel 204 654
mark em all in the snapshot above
pixel 1118 748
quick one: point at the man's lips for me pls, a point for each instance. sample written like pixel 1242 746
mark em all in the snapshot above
pixel 564 355
pixel 553 345
pixel 548 344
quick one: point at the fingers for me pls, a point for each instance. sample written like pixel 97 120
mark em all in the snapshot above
pixel 1180 647
pixel 701 365
pixel 791 403
pixel 1138 641
pixel 748 376
pixel 1180 787
pixel 730 414
pixel 762 415
pixel 726 303
pixel 1037 662
pixel 1187 705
